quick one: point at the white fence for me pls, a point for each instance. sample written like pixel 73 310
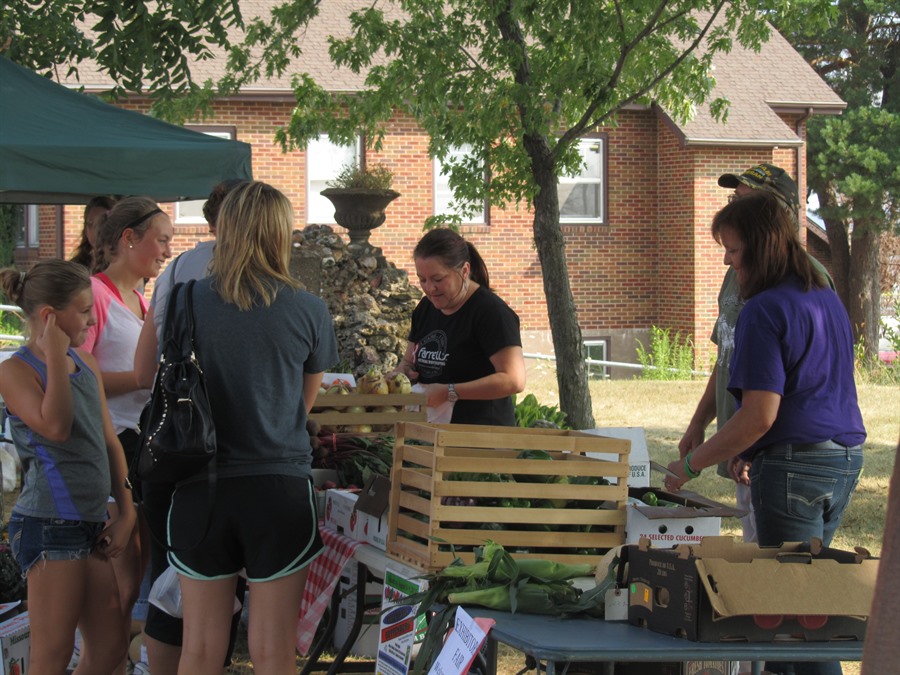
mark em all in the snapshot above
pixel 11 338
pixel 617 364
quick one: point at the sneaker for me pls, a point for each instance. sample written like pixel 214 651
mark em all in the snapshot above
pixel 141 668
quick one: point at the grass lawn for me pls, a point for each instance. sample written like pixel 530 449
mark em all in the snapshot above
pixel 663 409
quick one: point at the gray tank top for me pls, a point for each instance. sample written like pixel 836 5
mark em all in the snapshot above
pixel 69 479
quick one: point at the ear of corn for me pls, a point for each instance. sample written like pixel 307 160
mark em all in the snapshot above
pixel 528 598
pixel 550 570
pixel 498 581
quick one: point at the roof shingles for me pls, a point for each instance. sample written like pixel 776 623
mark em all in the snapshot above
pixel 757 84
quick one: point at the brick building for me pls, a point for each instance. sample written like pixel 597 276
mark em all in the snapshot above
pixel 639 255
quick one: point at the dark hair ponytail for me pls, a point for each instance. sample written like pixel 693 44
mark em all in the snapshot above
pixel 453 251
pixel 479 271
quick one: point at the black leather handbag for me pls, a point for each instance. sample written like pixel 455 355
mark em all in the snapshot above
pixel 177 432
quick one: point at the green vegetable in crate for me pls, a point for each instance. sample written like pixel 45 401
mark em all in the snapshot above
pixel 530 413
pixel 515 503
pixel 560 503
pixel 530 477
pixel 651 499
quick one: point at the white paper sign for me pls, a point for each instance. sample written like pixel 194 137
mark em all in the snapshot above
pixel 462 644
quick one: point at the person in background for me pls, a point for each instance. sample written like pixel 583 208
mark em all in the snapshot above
pixel 797 423
pixel 163 634
pixel 264 345
pixel 464 343
pixel 71 457
pixel 95 208
pixel 717 403
pixel 132 243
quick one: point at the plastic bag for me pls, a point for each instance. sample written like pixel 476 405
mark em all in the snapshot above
pixel 166 594
pixel 9 466
pixel 438 415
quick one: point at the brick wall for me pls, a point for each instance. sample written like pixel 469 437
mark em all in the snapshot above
pixel 653 262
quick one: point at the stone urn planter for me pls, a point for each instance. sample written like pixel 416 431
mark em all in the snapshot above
pixel 359 210
pixel 360 195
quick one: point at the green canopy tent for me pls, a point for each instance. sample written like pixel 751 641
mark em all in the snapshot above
pixel 59 146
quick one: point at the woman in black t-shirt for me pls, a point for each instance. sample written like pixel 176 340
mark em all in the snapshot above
pixel 464 344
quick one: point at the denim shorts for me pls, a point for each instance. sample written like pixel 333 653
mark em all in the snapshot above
pixel 35 539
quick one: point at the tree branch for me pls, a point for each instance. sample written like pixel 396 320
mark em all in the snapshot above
pixel 589 121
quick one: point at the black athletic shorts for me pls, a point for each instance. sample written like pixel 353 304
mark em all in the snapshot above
pixel 266 525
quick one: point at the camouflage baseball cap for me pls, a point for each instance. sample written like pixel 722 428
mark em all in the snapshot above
pixel 765 177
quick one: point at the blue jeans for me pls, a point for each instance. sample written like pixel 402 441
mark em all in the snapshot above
pixel 800 492
pixel 34 539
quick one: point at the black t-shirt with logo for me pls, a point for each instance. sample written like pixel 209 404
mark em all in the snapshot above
pixel 457 348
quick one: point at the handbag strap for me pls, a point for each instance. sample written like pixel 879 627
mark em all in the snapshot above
pixel 179 325
pixel 188 349
pixel 189 312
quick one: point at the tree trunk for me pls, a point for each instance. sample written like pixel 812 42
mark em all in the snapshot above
pixel 839 241
pixel 571 372
pixel 865 287
pixel 856 271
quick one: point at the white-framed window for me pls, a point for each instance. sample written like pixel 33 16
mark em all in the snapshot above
pixel 324 161
pixel 191 212
pixel 26 224
pixel 582 198
pixel 596 350
pixel 443 195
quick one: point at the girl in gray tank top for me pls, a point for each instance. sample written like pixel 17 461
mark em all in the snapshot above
pixel 71 461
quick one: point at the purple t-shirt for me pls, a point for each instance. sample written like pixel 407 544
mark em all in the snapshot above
pixel 799 345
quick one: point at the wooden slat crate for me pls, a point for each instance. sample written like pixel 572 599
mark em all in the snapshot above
pixel 412 409
pixel 422 530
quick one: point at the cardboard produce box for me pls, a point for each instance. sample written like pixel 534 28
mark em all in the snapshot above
pixel 638 459
pixel 723 590
pixel 339 511
pixel 372 512
pixel 695 517
pixel 360 514
pixel 15 641
pixel 454 486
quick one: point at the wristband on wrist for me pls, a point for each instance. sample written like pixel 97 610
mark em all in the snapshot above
pixel 687 467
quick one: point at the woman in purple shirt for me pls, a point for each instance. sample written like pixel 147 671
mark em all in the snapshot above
pixel 798 424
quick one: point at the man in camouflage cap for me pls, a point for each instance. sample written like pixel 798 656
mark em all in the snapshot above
pixel 766 177
pixel 717 403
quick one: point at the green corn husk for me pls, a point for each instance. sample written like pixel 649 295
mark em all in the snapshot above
pixel 550 570
pixel 529 598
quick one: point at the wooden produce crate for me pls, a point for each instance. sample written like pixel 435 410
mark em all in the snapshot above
pixel 573 522
pixel 330 409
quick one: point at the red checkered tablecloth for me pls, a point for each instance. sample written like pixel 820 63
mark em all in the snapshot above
pixel 324 573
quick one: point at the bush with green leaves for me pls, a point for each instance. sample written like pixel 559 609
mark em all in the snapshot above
pixel 10 324
pixel 670 357
pixel 375 177
pixel 530 413
pixel 8 233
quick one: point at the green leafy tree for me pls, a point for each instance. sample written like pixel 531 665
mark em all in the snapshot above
pixel 854 165
pixel 521 82
pixel 142 46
